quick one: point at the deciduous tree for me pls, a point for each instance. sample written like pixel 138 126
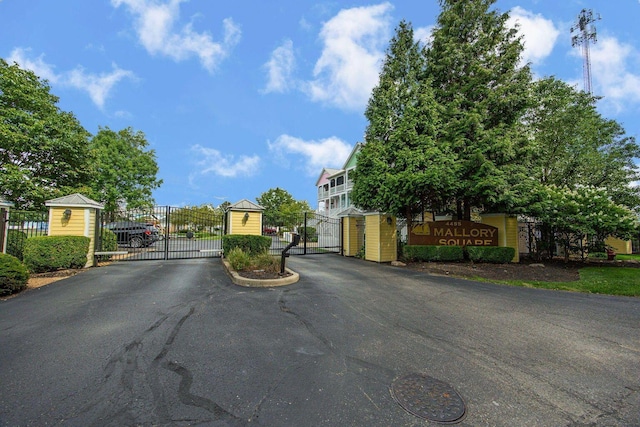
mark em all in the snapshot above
pixel 124 169
pixel 43 150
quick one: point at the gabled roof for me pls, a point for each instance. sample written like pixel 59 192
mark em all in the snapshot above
pixel 350 212
pixel 245 205
pixel 74 200
pixel 351 160
pixel 327 172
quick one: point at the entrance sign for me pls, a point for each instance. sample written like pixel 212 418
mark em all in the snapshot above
pixel 453 233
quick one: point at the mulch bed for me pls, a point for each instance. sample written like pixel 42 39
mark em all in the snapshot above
pixel 262 274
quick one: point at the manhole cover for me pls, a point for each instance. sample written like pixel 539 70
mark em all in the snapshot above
pixel 428 398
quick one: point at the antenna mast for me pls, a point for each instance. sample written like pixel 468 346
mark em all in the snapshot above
pixel 585 30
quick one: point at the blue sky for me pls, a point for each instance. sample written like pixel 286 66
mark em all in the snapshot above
pixel 242 96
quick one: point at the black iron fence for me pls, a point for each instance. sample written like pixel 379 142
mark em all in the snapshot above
pixel 21 225
pixel 319 234
pixel 160 233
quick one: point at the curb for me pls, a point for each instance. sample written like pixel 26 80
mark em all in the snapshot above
pixel 259 283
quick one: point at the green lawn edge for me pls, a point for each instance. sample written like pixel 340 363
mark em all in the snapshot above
pixel 617 281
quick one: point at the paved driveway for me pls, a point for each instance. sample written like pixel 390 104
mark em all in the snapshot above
pixel 175 343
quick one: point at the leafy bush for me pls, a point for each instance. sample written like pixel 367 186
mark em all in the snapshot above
pixel 50 253
pixel 266 262
pixel 494 254
pixel 109 240
pixel 15 243
pixel 312 234
pixel 253 245
pixel 598 255
pixel 433 253
pixel 238 259
pixel 450 253
pixel 109 243
pixel 13 274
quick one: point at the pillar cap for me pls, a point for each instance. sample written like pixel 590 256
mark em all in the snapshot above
pixel 74 201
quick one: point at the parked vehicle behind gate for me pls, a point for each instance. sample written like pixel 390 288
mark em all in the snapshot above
pixel 134 234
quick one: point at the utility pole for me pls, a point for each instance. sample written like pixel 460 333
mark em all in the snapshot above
pixel 585 32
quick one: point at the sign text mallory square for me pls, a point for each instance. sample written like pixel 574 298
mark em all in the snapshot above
pixel 449 233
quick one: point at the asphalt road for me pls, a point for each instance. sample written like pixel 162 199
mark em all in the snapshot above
pixel 175 343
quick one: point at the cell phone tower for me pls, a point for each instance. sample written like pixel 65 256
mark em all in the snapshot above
pixel 585 32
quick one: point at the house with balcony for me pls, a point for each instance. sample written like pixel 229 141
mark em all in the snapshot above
pixel 334 186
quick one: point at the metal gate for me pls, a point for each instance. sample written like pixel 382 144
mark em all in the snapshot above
pixel 319 234
pixel 160 233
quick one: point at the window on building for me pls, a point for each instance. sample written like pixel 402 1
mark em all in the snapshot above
pixel 340 180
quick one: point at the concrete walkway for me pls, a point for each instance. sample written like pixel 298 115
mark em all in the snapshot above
pixel 176 343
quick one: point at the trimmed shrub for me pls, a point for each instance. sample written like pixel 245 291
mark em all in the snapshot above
pixel 109 243
pixel 50 253
pixel 420 253
pixel 15 243
pixel 493 254
pixel 433 253
pixel 238 259
pixel 109 240
pixel 13 274
pixel 450 253
pixel 253 245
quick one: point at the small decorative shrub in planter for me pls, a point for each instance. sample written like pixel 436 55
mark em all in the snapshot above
pixel 13 274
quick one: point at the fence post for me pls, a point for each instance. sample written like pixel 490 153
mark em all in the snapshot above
pixel 305 234
pixel 4 219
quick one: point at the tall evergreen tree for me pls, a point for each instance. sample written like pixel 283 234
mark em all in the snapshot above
pixel 474 63
pixel 401 169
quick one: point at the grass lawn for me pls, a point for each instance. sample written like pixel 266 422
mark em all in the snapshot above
pixel 623 281
pixel 635 257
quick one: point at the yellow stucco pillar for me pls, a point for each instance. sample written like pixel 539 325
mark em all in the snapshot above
pixel 74 215
pixel 507 226
pixel 619 246
pixel 350 236
pixel 244 217
pixel 380 238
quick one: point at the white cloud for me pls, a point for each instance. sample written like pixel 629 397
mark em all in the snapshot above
pixel 37 65
pixel 97 86
pixel 354 42
pixel 423 34
pixel 614 70
pixel 539 34
pixel 155 23
pixel 214 162
pixel 280 68
pixel 328 152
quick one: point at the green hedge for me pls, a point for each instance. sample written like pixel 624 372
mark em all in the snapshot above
pixel 15 243
pixel 432 253
pixel 109 243
pixel 13 274
pixel 494 254
pixel 253 245
pixel 50 253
